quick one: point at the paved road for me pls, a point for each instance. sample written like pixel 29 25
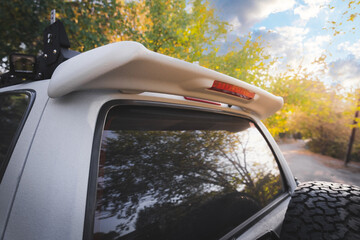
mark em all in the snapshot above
pixel 308 166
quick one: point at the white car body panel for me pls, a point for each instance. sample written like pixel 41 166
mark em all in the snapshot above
pixel 52 204
pixel 14 169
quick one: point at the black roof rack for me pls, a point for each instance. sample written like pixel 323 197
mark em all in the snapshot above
pixel 24 68
pixel 55 50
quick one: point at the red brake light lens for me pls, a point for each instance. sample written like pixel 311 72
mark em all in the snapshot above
pixel 232 90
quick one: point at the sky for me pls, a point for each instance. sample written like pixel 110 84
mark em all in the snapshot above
pixel 298 32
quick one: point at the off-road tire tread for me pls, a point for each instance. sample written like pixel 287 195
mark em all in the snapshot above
pixel 322 210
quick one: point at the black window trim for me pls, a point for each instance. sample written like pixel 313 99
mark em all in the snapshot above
pixel 32 95
pixel 94 164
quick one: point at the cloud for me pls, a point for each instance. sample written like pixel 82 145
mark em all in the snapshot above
pixel 310 9
pixel 346 72
pixel 235 24
pixel 246 13
pixel 285 43
pixel 315 46
pixel 353 49
pixel 292 46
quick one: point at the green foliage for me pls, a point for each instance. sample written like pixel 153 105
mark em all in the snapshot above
pixel 162 26
pixel 302 93
pixel 88 23
pixel 320 114
pixel 247 61
pixel 329 130
pixel 328 137
pixel 175 29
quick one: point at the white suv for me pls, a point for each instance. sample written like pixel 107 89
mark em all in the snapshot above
pixel 125 143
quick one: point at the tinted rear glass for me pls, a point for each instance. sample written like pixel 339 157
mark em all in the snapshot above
pixel 180 174
pixel 13 107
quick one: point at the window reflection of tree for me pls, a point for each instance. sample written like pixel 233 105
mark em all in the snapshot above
pixel 193 176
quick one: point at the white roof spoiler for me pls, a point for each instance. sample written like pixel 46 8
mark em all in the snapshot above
pixel 131 68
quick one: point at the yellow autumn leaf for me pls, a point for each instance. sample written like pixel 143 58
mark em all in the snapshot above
pixel 352 17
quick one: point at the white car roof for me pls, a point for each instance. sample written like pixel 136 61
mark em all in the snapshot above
pixel 131 68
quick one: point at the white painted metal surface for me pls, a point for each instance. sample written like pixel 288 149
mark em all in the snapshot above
pixel 14 169
pixel 51 197
pixel 130 67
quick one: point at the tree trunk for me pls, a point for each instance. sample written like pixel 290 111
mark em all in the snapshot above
pixel 352 136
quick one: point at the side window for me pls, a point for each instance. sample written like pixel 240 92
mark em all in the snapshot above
pixel 180 174
pixel 13 106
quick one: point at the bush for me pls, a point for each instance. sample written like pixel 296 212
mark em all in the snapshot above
pixel 328 134
pixel 329 147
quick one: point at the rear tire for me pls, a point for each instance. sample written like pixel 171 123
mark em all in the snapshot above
pixel 321 210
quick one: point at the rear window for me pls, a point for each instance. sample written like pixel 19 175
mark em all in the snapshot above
pixel 13 106
pixel 180 174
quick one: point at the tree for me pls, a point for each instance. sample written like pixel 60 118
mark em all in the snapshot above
pixel 246 61
pixel 162 26
pixel 356 124
pixel 348 23
pixel 88 24
pixel 320 113
pixel 302 93
pixel 178 28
